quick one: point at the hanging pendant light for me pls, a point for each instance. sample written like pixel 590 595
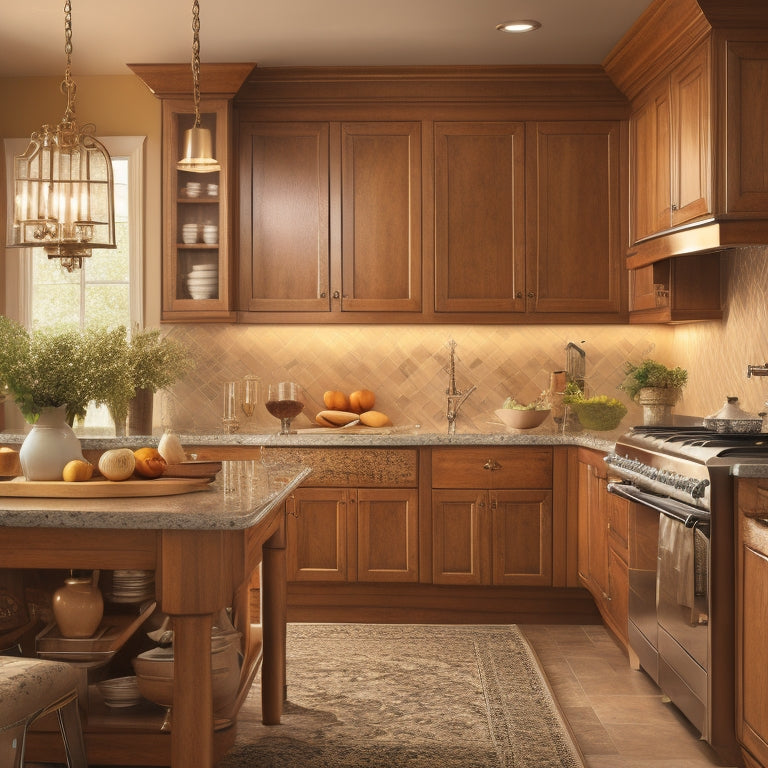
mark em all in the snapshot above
pixel 63 187
pixel 198 144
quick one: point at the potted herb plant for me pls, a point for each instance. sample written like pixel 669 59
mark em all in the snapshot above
pixel 655 387
pixel 156 362
pixel 51 376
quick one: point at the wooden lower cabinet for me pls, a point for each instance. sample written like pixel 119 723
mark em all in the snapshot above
pixel 492 534
pixel 603 554
pixel 353 534
pixel 751 610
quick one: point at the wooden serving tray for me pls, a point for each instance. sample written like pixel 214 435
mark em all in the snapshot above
pixel 99 488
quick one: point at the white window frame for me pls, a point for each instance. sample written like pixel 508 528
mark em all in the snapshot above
pixel 18 271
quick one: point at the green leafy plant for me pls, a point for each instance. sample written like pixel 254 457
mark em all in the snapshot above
pixel 71 367
pixel 48 369
pixel 650 373
pixel 156 362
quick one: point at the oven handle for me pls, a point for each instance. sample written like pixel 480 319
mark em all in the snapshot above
pixel 684 513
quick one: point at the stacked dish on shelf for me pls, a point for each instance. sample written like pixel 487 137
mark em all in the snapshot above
pixel 190 233
pixel 132 586
pixel 203 281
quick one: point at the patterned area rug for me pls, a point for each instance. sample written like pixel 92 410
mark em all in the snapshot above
pixel 408 696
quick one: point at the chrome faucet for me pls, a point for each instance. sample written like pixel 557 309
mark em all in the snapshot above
pixel 456 397
pixel 757 370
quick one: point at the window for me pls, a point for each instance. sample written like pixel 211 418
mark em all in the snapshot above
pixel 107 290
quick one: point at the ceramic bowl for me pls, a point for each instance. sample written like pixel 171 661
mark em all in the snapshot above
pixel 205 268
pixel 201 293
pixel 120 691
pixel 517 419
pixel 154 673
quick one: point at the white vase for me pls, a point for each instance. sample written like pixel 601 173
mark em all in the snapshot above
pixel 49 446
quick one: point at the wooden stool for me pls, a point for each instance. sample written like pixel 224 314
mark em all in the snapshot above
pixel 30 689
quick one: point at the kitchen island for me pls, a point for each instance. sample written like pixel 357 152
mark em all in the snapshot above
pixel 204 547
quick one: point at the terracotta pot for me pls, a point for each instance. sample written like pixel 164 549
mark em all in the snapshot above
pixel 78 607
pixel 140 412
pixel 657 404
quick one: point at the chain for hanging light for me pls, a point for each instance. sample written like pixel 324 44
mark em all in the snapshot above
pixel 198 143
pixel 63 186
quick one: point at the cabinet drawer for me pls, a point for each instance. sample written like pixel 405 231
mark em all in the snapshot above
pixel 492 467
pixel 618 524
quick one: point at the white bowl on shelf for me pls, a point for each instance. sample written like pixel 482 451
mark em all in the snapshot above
pixel 202 293
pixel 205 267
pixel 202 282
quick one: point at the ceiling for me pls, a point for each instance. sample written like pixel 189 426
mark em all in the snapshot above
pixel 107 35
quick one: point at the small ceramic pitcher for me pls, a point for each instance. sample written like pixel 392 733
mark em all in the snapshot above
pixel 78 606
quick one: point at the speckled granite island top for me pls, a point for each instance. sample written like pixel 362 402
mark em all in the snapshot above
pixel 242 494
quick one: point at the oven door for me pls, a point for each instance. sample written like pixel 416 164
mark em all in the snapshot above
pixel 682 600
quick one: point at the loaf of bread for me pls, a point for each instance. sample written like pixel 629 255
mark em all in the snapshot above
pixel 9 463
pixel 375 419
pixel 335 418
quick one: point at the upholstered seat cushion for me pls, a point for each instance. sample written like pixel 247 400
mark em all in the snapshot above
pixel 30 686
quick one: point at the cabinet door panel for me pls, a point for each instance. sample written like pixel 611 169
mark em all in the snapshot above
pixel 381 216
pixel 317 535
pixel 651 185
pixel 691 170
pixel 747 116
pixel 753 651
pixel 387 535
pixel 460 541
pixel 284 256
pixel 522 537
pixel 574 238
pixel 479 217
pixel 617 600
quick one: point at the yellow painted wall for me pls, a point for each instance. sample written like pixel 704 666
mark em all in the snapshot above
pixel 117 106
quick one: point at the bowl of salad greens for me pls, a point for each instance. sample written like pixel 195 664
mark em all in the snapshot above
pixel 519 416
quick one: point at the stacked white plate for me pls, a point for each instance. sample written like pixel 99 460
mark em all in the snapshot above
pixel 120 691
pixel 193 188
pixel 132 586
pixel 210 234
pixel 203 281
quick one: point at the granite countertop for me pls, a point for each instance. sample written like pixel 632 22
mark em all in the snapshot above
pixel 242 494
pixel 343 438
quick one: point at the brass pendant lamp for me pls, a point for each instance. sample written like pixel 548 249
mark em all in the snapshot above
pixel 63 186
pixel 198 144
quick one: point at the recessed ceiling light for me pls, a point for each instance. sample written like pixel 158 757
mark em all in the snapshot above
pixel 519 25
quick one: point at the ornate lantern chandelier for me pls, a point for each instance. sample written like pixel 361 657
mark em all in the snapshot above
pixel 63 187
pixel 198 145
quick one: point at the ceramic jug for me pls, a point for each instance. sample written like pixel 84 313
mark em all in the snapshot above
pixel 78 606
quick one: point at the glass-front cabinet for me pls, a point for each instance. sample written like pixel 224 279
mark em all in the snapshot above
pixel 197 211
pixel 196 217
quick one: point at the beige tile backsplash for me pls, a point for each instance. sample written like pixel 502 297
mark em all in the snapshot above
pixel 406 366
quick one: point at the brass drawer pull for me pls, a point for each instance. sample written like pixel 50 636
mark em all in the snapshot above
pixel 492 465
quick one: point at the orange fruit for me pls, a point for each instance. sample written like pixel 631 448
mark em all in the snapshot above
pixel 149 462
pixel 335 400
pixel 77 471
pixel 362 400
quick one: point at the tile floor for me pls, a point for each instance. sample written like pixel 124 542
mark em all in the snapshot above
pixel 616 713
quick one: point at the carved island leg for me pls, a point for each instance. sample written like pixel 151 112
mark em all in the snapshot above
pixel 273 621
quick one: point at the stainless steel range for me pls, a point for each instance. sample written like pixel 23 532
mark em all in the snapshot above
pixel 681 602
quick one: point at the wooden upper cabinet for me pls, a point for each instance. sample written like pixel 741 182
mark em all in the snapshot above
pixel 574 232
pixel 671 148
pixel 695 71
pixel 479 217
pixel 331 217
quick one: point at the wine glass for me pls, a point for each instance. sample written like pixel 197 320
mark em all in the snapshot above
pixel 249 394
pixel 285 401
